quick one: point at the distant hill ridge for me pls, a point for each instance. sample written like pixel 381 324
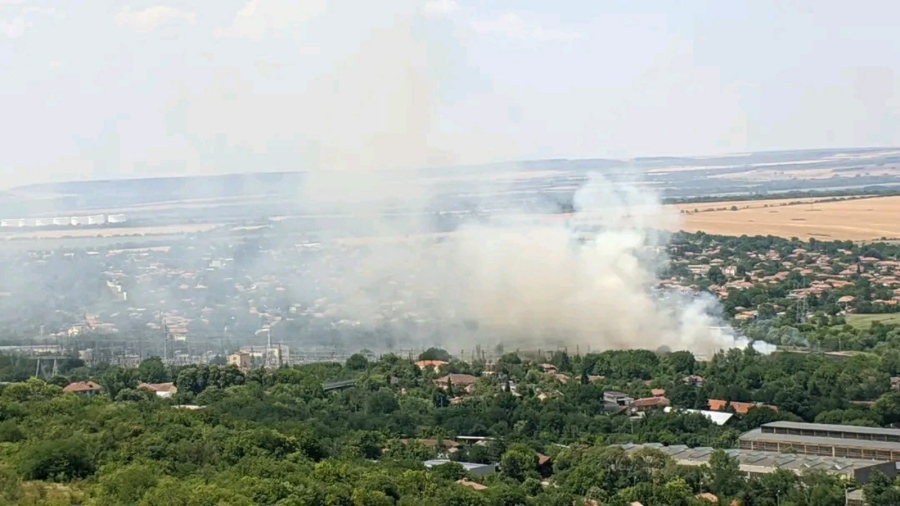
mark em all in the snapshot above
pixel 226 182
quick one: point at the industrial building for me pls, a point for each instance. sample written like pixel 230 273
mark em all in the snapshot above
pixel 64 221
pixel 758 463
pixel 825 440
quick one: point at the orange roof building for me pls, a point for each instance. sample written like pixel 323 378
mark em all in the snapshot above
pixel 83 388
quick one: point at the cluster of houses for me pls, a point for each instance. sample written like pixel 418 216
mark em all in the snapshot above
pixel 826 273
pixel 89 388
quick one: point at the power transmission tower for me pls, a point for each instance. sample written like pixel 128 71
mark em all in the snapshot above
pixel 802 305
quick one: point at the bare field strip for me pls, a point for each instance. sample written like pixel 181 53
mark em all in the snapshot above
pixel 113 232
pixel 866 320
pixel 856 220
pixel 751 204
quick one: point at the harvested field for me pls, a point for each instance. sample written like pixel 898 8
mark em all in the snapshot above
pixel 856 220
pixel 706 207
pixel 864 321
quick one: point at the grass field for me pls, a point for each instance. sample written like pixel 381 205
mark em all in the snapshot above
pixel 864 320
pixel 857 220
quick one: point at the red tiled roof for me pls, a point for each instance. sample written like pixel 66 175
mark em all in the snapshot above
pixel 741 408
pixel 717 405
pixel 650 402
pixel 431 363
pixel 471 484
pixel 82 386
pixel 157 387
pixel 458 379
pixel 431 443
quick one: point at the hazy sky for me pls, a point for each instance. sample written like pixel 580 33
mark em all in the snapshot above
pixel 105 89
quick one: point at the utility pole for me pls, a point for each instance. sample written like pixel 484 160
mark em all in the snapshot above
pixel 164 332
pixel 268 348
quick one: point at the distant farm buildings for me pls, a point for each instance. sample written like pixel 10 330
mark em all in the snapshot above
pixel 64 221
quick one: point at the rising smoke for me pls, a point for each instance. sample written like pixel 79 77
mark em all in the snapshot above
pixel 589 280
pixel 525 280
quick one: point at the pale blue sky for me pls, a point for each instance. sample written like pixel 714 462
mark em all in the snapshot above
pixel 109 89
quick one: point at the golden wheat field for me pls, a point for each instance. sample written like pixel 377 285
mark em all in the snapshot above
pixel 858 219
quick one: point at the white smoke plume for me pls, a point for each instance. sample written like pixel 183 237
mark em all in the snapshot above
pixel 588 280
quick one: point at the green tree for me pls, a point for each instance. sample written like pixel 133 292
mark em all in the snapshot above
pixel 519 462
pixel 357 362
pixel 31 390
pixel 118 378
pixel 725 478
pixel 435 354
pixel 59 460
pixel 152 370
pixel 125 485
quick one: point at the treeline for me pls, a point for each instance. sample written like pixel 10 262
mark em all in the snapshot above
pixel 835 194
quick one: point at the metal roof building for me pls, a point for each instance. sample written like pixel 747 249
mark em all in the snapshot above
pixel 756 462
pixel 825 440
pixel 471 467
pixel 717 417
pixel 834 431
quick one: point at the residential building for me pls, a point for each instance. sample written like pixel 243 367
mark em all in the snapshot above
pixel 741 408
pixel 844 441
pixel 86 388
pixel 456 380
pixel 434 364
pixel 648 403
pixel 163 390
pixel 618 398
pixel 471 484
pixel 241 360
pixel 717 417
pixel 545 465
pixel 856 498
pixel 693 380
pixel 756 463
pixel 447 444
